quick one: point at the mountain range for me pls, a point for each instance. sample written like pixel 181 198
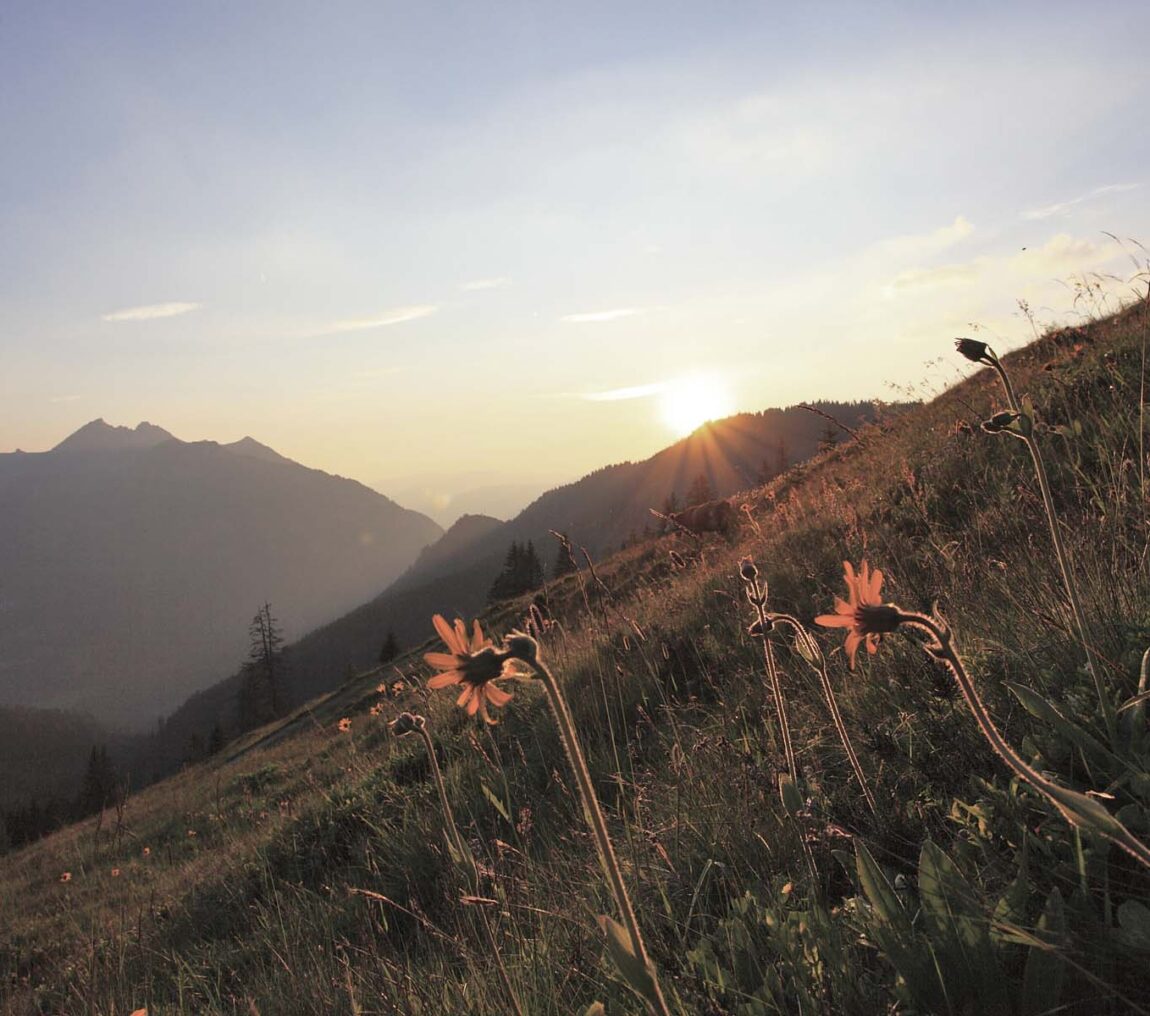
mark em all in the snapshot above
pixel 131 563
pixel 598 513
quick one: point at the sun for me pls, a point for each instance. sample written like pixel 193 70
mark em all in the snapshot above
pixel 690 401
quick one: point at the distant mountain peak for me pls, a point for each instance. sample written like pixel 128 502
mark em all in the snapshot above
pixel 102 436
pixel 250 448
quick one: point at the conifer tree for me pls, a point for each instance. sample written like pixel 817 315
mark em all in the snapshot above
pixel 390 649
pixel 522 572
pixel 260 691
pixel 99 782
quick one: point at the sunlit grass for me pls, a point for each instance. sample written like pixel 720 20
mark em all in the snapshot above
pixel 319 879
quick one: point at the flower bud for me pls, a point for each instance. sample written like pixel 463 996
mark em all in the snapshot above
pixel 748 570
pixel 523 647
pixel 1000 422
pixel 407 723
pixel 975 351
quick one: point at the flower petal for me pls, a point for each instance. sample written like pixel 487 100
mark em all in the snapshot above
pixel 446 633
pixel 852 646
pixel 875 586
pixel 443 680
pixel 497 696
pixel 835 620
pixel 440 661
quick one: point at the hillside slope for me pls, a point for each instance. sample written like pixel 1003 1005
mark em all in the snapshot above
pixel 598 512
pixel 304 870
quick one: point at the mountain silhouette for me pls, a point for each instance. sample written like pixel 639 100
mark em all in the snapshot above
pixel 131 563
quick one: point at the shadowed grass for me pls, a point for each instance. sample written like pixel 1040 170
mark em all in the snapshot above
pixel 319 881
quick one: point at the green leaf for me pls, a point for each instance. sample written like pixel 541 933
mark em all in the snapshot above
pixel 634 971
pixel 1041 709
pixel 892 932
pixel 789 793
pixel 1045 967
pixel 496 802
pixel 878 890
pixel 959 929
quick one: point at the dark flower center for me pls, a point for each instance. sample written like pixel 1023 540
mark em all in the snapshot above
pixel 876 619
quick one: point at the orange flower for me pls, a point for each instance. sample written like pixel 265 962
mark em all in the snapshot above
pixel 66 877
pixel 345 725
pixel 867 617
pixel 147 851
pixel 474 663
pixel 115 873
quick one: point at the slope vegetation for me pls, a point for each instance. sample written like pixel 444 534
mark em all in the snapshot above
pixel 305 870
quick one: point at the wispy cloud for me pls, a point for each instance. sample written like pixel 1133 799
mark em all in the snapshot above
pixel 1059 255
pixel 941 275
pixel 925 244
pixel 1064 207
pixel 150 311
pixel 598 316
pixel 395 316
pixel 632 392
pixel 479 285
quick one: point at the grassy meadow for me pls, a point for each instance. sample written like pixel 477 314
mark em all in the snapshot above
pixel 306 868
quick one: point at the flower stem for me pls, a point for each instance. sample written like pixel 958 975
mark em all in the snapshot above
pixel 1078 809
pixel 1068 579
pixel 776 686
pixel 598 825
pixel 819 665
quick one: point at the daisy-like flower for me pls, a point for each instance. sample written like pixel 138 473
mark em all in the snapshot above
pixel 474 663
pixel 867 617
pixel 344 725
pixel 66 877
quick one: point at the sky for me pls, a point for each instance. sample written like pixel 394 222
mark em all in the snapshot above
pixel 496 241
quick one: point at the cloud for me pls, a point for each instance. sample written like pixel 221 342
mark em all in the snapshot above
pixel 65 398
pixel 1064 207
pixel 942 275
pixel 391 317
pixel 633 392
pixel 918 245
pixel 479 285
pixel 597 316
pixel 1061 254
pixel 151 311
